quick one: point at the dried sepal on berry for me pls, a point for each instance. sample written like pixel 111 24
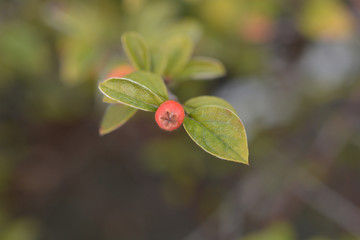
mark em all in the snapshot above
pixel 170 115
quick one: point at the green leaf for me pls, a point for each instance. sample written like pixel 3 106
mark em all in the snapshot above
pixel 178 51
pixel 187 26
pixel 137 50
pixel 158 61
pixel 196 102
pixel 140 89
pixel 108 100
pixel 219 132
pixel 202 68
pixel 115 116
pixel 276 231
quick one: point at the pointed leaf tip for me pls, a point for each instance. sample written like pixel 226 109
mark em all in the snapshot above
pixel 115 116
pixel 137 50
pixel 219 131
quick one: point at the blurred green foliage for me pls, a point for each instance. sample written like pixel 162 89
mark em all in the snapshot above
pixel 277 231
pixel 292 73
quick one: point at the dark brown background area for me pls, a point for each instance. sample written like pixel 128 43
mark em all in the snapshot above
pixel 292 75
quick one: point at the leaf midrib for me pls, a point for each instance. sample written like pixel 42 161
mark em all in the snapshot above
pixel 217 137
pixel 145 103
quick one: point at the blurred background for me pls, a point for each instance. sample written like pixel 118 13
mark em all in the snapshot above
pixel 293 71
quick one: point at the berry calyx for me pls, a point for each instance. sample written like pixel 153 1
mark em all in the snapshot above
pixel 170 115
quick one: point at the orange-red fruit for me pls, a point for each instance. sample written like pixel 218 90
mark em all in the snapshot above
pixel 170 115
pixel 120 71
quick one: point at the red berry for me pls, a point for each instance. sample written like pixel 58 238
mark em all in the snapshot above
pixel 170 115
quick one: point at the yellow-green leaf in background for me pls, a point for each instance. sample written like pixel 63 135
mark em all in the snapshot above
pixel 178 51
pixel 276 231
pixel 115 116
pixel 326 19
pixel 23 228
pixel 158 61
pixel 187 26
pixel 140 89
pixel 137 50
pixel 201 101
pixel 219 131
pixel 202 68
